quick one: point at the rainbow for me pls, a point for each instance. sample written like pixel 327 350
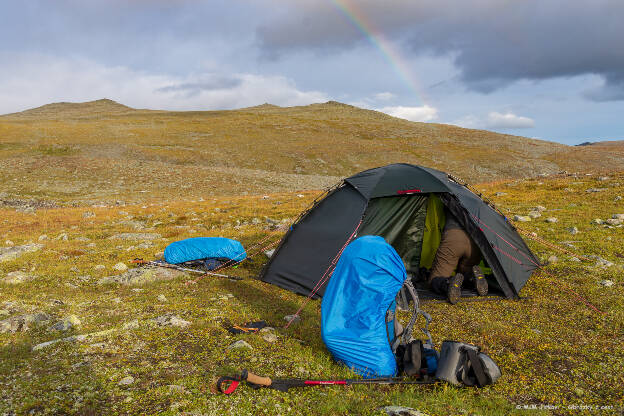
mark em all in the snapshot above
pixel 387 49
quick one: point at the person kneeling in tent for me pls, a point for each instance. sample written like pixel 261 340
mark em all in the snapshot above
pixel 456 253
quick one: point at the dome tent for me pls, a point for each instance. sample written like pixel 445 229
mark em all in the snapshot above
pixel 399 202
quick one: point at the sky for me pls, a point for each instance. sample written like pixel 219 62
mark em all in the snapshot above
pixel 548 69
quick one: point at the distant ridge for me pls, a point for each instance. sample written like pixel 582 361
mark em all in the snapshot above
pixel 69 110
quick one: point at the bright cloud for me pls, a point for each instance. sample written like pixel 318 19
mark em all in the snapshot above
pixel 384 96
pixel 496 120
pixel 31 80
pixel 422 113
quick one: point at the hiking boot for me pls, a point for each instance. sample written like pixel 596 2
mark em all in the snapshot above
pixel 479 281
pixel 453 292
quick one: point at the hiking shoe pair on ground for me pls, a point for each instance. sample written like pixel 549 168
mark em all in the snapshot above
pixel 453 292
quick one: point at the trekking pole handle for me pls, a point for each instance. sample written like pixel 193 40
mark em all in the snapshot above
pixel 257 380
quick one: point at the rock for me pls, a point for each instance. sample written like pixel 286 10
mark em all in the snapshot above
pixel 126 381
pixel 269 337
pixel 56 302
pixel 23 322
pixel 162 298
pixel 9 243
pixel 618 216
pixel 520 218
pixel 613 221
pixel 171 320
pixel 552 259
pixel 539 208
pixel 175 388
pixel 82 239
pixel 73 338
pixel 17 277
pixel 269 253
pixel 240 344
pixel 590 190
pixel 573 230
pixel 120 267
pixel 289 318
pixel 11 253
pixel 43 237
pixel 62 237
pixel 597 221
pixel 4 312
pixel 300 195
pixel 134 324
pixel 401 411
pixel 575 259
pixel 617 198
pixel 88 214
pixel 603 178
pixel 135 236
pixel 141 275
pixel 66 323
pixel 500 194
pixel 99 267
pixel 552 220
pixel 535 214
pixel 606 283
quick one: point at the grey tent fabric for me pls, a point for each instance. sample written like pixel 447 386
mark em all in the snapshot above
pixel 308 248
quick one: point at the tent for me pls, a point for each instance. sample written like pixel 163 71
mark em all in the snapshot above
pixel 404 204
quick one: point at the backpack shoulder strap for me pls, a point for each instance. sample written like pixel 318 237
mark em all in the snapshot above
pixel 407 332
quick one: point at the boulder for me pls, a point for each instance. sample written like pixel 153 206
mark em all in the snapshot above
pixel 521 218
pixel 11 253
pixel 171 320
pixel 23 322
pixel 67 323
pixel 135 236
pixel 142 275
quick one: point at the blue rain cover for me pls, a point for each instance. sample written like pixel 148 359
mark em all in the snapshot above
pixel 363 287
pixel 203 248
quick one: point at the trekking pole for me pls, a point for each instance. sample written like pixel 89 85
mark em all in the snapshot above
pixel 227 385
pixel 183 269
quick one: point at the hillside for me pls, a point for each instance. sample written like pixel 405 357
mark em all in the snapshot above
pixel 141 342
pixel 95 152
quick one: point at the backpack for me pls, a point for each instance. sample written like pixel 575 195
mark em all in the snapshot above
pixel 358 313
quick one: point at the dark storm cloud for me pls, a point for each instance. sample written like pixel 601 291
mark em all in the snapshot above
pixel 492 42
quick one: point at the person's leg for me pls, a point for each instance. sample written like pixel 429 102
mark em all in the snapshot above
pixel 469 267
pixel 441 279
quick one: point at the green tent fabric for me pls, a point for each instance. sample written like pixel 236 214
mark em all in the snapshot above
pixel 434 224
pixel 401 221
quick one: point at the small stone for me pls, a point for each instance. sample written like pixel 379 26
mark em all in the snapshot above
pixel 606 283
pixel 62 236
pixel 603 178
pixel 539 208
pixel 300 195
pixel 162 298
pixel 126 381
pixel 618 216
pixel 134 324
pixel 401 411
pixel 575 259
pixel 177 388
pixel 17 277
pixel 100 267
pixel 617 198
pixel 535 214
pixel 590 190
pixel 573 230
pixel 613 221
pixel 597 221
pixel 135 236
pixel 269 337
pixel 500 194
pixel 43 237
pixel 293 318
pixel 551 219
pixel 120 267
pixel 9 243
pixel 265 197
pixel 88 214
pixel 521 218
pixel 171 320
pixel 66 323
pixel 240 344
pixel 269 253
pixel 552 259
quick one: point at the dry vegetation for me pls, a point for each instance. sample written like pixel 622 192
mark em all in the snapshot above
pixel 553 349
